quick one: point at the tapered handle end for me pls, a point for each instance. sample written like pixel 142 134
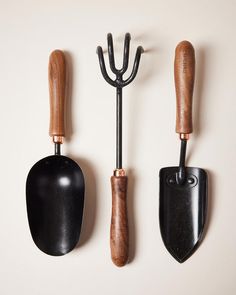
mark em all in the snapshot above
pixel 119 222
pixel 184 72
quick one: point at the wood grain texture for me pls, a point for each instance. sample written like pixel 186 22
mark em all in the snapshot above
pixel 184 71
pixel 57 86
pixel 119 222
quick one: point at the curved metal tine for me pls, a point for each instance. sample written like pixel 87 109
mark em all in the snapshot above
pixel 135 66
pixel 103 67
pixel 126 53
pixel 111 54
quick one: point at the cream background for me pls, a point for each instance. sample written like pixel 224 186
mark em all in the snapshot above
pixel 29 31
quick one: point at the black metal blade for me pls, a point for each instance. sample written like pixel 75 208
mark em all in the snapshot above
pixel 182 210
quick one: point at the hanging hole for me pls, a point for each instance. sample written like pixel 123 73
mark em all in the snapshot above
pixel 190 180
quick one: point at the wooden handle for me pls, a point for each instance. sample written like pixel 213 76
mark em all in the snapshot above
pixel 57 85
pixel 119 222
pixel 184 82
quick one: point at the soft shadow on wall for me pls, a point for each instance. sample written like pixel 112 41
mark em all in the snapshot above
pixel 145 73
pixel 90 200
pixel 199 113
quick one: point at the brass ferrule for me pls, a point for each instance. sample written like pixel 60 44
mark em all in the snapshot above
pixel 119 172
pixel 57 139
pixel 184 136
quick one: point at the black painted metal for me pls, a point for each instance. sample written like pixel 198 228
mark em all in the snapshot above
pixel 182 210
pixel 55 201
pixel 57 147
pixel 118 128
pixel 119 83
pixel 180 176
pixel 183 203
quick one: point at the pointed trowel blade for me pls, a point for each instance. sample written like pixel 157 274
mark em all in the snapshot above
pixel 182 210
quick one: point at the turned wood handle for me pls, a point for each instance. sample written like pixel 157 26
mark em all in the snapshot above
pixel 184 82
pixel 119 222
pixel 57 85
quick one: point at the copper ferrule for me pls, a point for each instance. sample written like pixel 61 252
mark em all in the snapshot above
pixel 184 136
pixel 119 172
pixel 57 139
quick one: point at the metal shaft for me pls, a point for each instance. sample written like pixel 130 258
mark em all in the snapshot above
pixel 118 128
pixel 57 148
pixel 181 174
pixel 182 153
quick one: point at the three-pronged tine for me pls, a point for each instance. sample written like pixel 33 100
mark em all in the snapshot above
pixel 119 82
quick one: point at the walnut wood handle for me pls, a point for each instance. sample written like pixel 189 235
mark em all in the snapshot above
pixel 57 84
pixel 119 222
pixel 184 83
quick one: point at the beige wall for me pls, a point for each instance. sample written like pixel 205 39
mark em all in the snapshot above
pixel 29 31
